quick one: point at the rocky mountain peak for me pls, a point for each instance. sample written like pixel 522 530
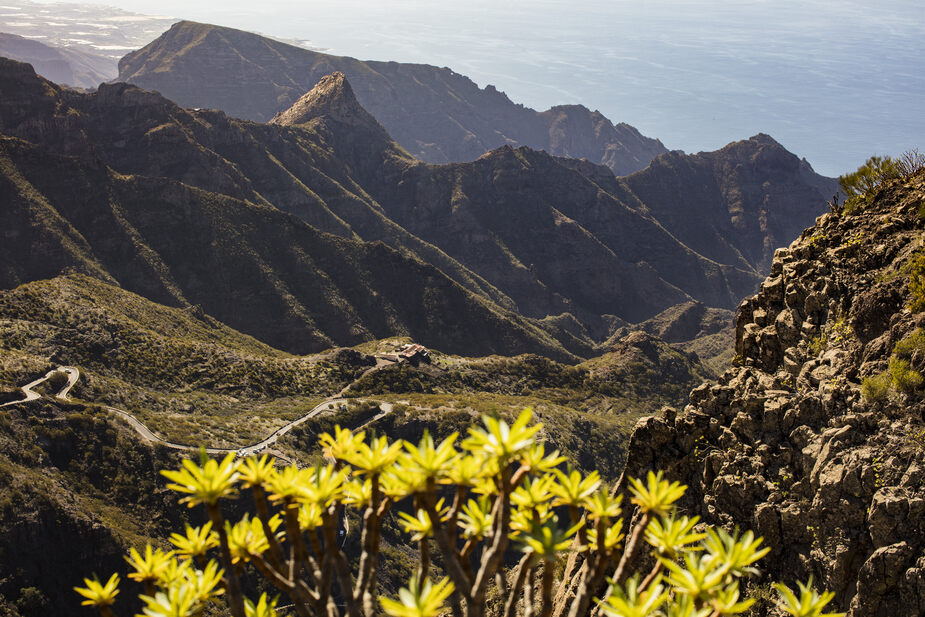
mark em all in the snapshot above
pixel 766 197
pixel 21 78
pixel 332 97
pixel 23 94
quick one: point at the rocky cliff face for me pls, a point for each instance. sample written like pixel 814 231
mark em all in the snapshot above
pixel 816 439
pixel 553 240
pixel 735 205
pixel 434 113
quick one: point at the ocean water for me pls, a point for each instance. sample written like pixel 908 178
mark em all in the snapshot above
pixel 832 81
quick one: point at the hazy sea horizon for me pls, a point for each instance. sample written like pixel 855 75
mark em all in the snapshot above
pixel 834 83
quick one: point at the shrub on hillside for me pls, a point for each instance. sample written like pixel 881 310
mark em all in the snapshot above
pixel 917 283
pixel 900 374
pixel 861 186
pixel 57 381
pixel 876 387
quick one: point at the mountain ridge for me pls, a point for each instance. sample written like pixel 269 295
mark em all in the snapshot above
pixel 59 64
pixel 512 228
pixel 434 113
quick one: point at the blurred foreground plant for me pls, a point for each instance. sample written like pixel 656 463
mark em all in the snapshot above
pixel 500 487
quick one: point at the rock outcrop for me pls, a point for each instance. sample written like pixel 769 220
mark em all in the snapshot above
pixel 331 98
pixel 786 444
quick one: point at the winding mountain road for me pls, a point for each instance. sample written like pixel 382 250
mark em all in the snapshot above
pixel 72 375
pixel 146 434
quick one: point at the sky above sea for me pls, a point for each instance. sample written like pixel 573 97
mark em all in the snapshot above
pixel 832 81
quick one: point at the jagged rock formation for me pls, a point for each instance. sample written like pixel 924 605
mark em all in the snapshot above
pixel 434 113
pixel 332 98
pixel 785 443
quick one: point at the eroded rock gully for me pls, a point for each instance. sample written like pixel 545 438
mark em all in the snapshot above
pixel 784 443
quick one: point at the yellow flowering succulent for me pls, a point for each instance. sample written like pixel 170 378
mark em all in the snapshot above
pixel 99 594
pixel 504 487
pixel 657 495
pixel 262 608
pixel 372 458
pixel 499 440
pixel 148 567
pixel 257 471
pixel 418 599
pixel 204 484
pixel 196 542
pixel 247 539
pixel 572 489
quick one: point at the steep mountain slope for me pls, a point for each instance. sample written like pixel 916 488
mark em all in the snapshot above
pixel 692 327
pixel 643 372
pixel 736 205
pixel 58 64
pixel 76 493
pixel 189 377
pixel 588 247
pixel 816 439
pixel 252 266
pixel 434 113
pixel 519 231
pixel 521 221
pixel 554 240
pixel 78 319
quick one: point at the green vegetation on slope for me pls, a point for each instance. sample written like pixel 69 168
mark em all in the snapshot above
pixel 74 493
pixel 179 370
pixel 861 187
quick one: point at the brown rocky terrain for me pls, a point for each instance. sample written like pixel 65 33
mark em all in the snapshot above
pixel 816 437
pixel 434 113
